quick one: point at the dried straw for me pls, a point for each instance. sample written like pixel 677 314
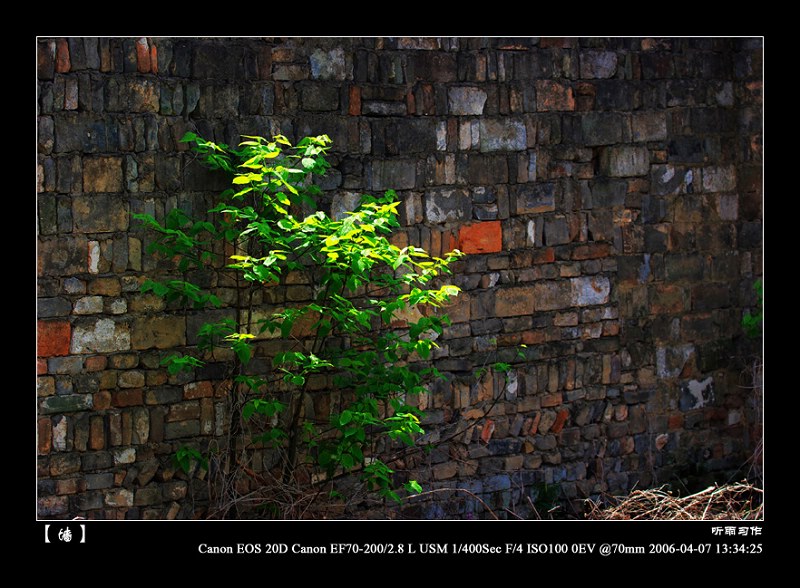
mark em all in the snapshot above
pixel 738 502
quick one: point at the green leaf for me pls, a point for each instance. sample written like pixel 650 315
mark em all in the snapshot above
pixel 345 417
pixel 413 487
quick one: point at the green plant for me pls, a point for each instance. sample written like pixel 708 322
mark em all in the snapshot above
pixel 751 323
pixel 361 333
pixel 185 456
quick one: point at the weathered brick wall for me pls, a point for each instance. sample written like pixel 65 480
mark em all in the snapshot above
pixel 607 191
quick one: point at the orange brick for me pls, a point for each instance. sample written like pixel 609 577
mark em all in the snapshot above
pixel 52 338
pixel 153 58
pixel 131 397
pixel 553 96
pixel 95 364
pixel 101 400
pixel 533 337
pixel 41 366
pixel 44 436
pixel 62 56
pixel 592 251
pixel 561 419
pixel 551 400
pixel 355 101
pixel 97 434
pixel 545 256
pixel 675 422
pixel 198 390
pixel 483 237
pixel 142 55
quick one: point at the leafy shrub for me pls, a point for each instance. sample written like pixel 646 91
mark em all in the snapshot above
pixel 361 337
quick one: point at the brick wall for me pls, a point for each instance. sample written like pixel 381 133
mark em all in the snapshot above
pixel 607 191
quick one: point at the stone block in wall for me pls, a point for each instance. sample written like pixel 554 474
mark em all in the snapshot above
pixel 482 170
pixel 102 174
pixel 649 126
pixel 181 429
pixel 710 297
pixel 666 299
pixel 67 403
pixel 413 136
pixel 502 135
pixel 447 205
pixel 557 230
pixel 719 179
pixel 99 336
pixel 99 213
pixel 590 290
pixel 217 61
pixel 515 301
pixel 689 149
pixel 607 193
pixel 598 64
pixel 329 64
pixel 552 295
pixel 601 128
pixel 81 132
pixel 554 96
pixel 52 307
pixel 394 174
pixel 432 67
pixel 160 332
pixel 625 160
pixel 533 198
pixel 319 96
pixel 466 100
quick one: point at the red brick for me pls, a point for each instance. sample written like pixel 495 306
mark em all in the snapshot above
pixel 552 96
pixel 544 255
pixel 101 400
pixel 68 486
pixel 533 337
pixel 223 389
pixel 198 390
pixel 675 422
pixel 52 338
pixel 62 56
pixel 96 363
pixel 485 237
pixel 592 251
pixel 514 301
pixel 355 101
pixel 183 412
pixel 558 42
pixel 127 397
pixel 41 366
pixel 265 63
pixel 535 423
pixel 509 339
pixel 488 429
pixel 549 400
pixel 411 105
pixel 44 436
pixel 142 55
pixel 666 299
pixel 97 434
pixel 153 58
pixel 561 419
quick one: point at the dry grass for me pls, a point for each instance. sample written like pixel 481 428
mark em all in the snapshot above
pixel 739 502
